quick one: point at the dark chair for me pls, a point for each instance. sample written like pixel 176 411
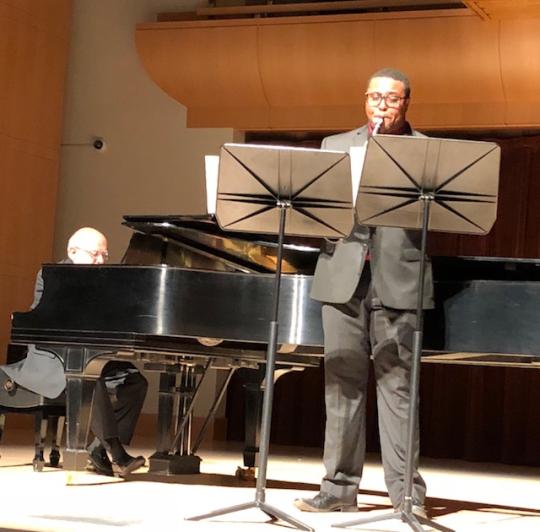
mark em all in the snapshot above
pixel 49 414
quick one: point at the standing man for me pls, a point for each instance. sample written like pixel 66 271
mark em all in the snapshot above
pixel 368 314
pixel 119 393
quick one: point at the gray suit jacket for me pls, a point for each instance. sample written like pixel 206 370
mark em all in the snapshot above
pixel 40 372
pixel 394 255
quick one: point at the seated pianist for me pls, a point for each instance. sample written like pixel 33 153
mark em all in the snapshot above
pixel 119 392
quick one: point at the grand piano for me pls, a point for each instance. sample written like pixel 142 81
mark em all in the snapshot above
pixel 186 299
pixel 189 297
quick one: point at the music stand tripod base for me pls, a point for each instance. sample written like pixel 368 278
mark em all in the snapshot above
pixel 270 511
pixel 413 520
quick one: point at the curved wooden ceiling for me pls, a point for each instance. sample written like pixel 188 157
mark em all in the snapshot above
pixel 499 9
pixel 300 73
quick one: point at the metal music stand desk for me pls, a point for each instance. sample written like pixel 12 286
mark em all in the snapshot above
pixel 278 190
pixel 427 184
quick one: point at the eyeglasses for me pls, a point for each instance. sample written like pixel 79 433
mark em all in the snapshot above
pixel 95 253
pixel 390 100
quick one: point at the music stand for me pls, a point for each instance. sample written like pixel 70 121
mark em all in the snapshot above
pixel 258 186
pixel 427 184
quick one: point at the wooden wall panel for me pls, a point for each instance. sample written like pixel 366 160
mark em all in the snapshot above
pixel 230 53
pixel 520 68
pixel 291 48
pixel 516 232
pixel 33 59
pixel 296 94
pixel 33 54
pixel 52 16
pixel 309 73
pixel 454 85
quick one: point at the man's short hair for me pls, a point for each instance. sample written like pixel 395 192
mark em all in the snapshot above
pixel 393 73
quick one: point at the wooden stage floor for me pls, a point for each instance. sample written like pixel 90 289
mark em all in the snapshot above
pixel 464 496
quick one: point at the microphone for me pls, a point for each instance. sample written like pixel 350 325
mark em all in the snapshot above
pixel 378 123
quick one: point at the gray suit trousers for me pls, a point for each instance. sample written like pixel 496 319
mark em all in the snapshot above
pixel 355 332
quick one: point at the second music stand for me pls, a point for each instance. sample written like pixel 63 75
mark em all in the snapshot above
pixel 426 184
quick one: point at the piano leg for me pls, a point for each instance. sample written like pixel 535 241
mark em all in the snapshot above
pixel 253 396
pixel 166 421
pixel 252 422
pixel 168 395
pixel 176 457
pixel 40 433
pixel 56 429
pixel 212 412
pixel 183 426
pixel 82 366
pixel 79 395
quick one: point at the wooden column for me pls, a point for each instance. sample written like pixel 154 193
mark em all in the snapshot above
pixel 34 39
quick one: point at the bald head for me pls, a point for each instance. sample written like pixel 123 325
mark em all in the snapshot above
pixel 87 246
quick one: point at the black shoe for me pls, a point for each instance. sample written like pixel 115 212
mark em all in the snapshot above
pixel 98 462
pixel 125 468
pixel 324 502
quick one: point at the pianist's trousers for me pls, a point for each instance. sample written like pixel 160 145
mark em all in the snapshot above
pixel 353 333
pixel 118 400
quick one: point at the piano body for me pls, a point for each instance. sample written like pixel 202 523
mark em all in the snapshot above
pixel 487 312
pixel 187 298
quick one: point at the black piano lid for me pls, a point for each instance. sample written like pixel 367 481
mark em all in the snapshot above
pixel 208 223
pixel 251 250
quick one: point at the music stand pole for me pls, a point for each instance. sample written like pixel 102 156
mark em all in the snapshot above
pixel 260 491
pixel 405 513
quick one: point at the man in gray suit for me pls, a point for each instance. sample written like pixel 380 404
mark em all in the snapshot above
pixel 368 313
pixel 119 393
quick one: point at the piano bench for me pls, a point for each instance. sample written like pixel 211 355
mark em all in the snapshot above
pixel 49 418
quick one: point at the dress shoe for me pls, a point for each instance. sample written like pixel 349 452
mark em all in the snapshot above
pixel 419 510
pixel 98 462
pixel 125 468
pixel 324 502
